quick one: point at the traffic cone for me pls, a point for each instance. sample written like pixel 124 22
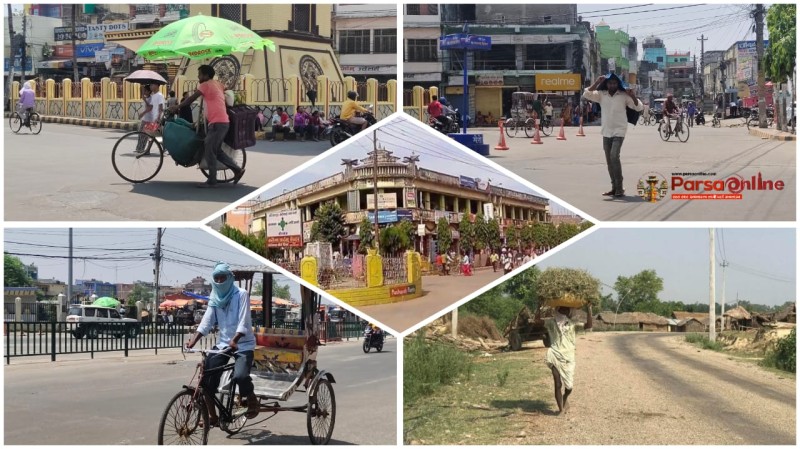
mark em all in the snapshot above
pixel 561 135
pixel 537 140
pixel 501 145
pixel 580 128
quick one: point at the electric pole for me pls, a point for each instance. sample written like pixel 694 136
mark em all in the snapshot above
pixel 23 45
pixel 758 15
pixel 375 185
pixel 712 300
pixel 724 265
pixel 13 53
pixel 157 271
pixel 69 270
pixel 75 74
pixel 702 40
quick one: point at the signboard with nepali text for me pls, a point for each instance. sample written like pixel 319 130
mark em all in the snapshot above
pixel 284 229
pixel 465 41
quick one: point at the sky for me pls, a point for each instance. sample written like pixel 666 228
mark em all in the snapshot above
pixel 722 23
pixel 762 261
pixel 404 137
pixel 123 255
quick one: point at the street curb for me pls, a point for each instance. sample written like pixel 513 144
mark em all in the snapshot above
pixel 94 123
pixel 771 136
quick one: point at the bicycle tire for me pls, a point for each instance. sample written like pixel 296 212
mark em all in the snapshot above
pixel 508 125
pixel 547 127
pixel 752 121
pixel 185 426
pixel 226 175
pixel 15 123
pixel 682 133
pixel 530 128
pixel 126 147
pixel 663 131
pixel 36 123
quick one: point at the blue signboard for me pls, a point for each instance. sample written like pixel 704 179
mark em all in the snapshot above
pixel 87 50
pixel 390 216
pixel 18 64
pixel 468 182
pixel 464 41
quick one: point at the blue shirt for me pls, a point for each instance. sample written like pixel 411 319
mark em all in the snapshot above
pixel 232 319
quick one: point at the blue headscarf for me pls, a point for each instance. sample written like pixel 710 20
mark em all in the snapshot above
pixel 613 76
pixel 221 293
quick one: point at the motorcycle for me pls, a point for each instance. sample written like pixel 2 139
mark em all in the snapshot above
pixel 373 338
pixel 700 118
pixel 341 130
pixel 451 127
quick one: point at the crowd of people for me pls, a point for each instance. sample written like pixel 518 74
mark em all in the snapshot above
pixel 507 259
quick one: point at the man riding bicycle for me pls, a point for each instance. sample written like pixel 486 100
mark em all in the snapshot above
pixel 671 110
pixel 229 309
pixel 27 101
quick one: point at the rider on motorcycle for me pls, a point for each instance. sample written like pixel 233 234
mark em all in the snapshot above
pixel 436 110
pixel 349 109
pixel 447 111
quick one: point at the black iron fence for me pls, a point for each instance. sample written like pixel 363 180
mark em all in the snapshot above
pixel 53 338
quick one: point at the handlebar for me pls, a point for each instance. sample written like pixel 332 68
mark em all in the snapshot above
pixel 204 351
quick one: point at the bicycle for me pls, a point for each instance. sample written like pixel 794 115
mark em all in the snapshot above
pixel 513 125
pixel 681 130
pixel 753 119
pixel 16 122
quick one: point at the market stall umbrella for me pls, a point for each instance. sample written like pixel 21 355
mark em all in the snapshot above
pixel 106 301
pixel 167 303
pixel 201 37
pixel 145 77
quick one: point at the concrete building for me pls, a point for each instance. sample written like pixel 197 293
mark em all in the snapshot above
pixel 365 39
pixel 615 51
pixel 38 38
pixel 89 287
pixel 241 217
pixel 535 48
pixel 199 286
pixel 680 74
pixel 51 288
pixel 651 81
pixel 407 192
pixel 422 60
pixel 711 72
pixel 655 51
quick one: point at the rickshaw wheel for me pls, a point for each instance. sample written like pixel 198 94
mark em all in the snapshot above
pixel 181 421
pixel 547 128
pixel 227 175
pixel 510 125
pixel 530 127
pixel 137 166
pixel 321 413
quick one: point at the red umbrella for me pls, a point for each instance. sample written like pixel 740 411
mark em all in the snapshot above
pixel 168 303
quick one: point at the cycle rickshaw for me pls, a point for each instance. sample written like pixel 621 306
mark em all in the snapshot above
pixel 285 363
pixel 521 107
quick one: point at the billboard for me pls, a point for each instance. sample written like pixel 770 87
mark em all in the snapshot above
pixel 97 32
pixel 488 211
pixel 284 229
pixel 465 42
pixel 385 201
pixel 65 33
pixel 747 62
pixel 550 82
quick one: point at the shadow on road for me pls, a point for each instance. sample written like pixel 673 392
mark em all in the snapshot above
pixel 179 191
pixel 263 437
pixel 626 199
pixel 526 406
pixel 291 148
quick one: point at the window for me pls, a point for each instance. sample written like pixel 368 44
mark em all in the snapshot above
pixel 301 18
pixel 353 42
pixel 660 59
pixel 422 50
pixel 115 314
pixel 101 313
pixel 422 10
pixel 231 12
pixel 386 41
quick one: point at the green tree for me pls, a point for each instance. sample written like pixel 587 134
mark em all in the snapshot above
pixel 527 236
pixel 466 231
pixel 638 291
pixel 493 234
pixel 481 232
pixel 585 225
pixel 366 236
pixel 513 238
pixel 140 293
pixel 278 290
pixel 444 235
pixel 566 231
pixel 501 308
pixel 328 224
pixel 781 52
pixel 410 230
pixel 254 242
pixel 14 272
pixel 522 287
pixel 394 240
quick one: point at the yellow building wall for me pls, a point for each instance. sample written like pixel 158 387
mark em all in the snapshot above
pixel 273 17
pixel 369 296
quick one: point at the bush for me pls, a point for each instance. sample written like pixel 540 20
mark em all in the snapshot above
pixel 784 354
pixel 430 365
pixel 703 341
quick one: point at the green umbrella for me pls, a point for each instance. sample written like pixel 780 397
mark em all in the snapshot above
pixel 106 301
pixel 201 37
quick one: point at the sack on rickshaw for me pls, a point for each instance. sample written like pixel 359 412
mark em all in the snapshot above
pixel 182 142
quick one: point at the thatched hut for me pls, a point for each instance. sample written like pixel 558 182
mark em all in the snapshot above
pixel 739 318
pixel 692 324
pixel 640 320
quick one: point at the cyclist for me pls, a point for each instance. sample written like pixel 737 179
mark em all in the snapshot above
pixel 349 109
pixel 228 308
pixel 27 101
pixel 671 110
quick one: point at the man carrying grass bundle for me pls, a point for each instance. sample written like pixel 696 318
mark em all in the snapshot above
pixel 561 354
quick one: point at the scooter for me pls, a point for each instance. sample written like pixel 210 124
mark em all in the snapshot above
pixel 341 130
pixel 373 338
pixel 452 126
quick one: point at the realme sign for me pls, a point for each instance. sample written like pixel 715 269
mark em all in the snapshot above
pixel 558 82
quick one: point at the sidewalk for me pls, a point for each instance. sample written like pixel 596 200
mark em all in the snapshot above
pixel 772 134
pixel 94 123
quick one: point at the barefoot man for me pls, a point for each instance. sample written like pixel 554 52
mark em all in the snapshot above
pixel 561 354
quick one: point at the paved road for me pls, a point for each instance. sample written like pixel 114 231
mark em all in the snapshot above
pixel 643 388
pixel 575 171
pixel 440 292
pixel 120 401
pixel 65 173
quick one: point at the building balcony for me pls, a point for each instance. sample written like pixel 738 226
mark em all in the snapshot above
pixel 545 64
pixel 510 65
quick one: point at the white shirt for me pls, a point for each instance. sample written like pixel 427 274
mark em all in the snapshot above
pixel 156 101
pixel 613 118
pixel 232 319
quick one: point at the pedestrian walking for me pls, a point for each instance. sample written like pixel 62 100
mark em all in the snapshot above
pixel 560 357
pixel 614 100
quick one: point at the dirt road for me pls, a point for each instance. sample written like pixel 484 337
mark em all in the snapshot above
pixel 643 388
